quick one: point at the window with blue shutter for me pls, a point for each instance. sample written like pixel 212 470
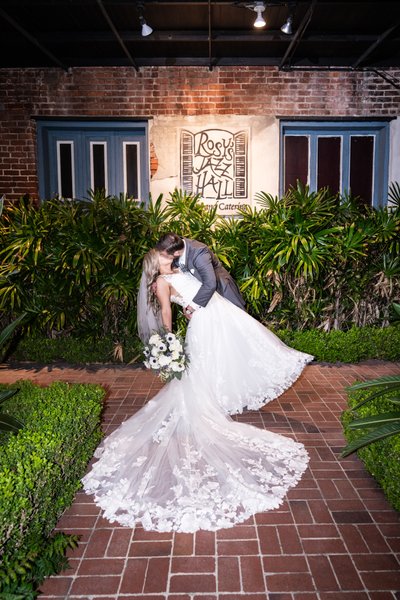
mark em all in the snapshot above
pixel 346 156
pixel 79 156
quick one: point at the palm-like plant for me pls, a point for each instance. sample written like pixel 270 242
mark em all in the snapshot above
pixel 381 425
pixel 186 215
pixel 8 423
pixel 306 260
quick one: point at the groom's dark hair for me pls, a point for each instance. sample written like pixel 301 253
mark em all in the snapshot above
pixel 170 243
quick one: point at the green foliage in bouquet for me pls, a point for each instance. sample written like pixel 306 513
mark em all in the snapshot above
pixel 40 471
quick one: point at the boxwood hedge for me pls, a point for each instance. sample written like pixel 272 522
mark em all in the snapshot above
pixel 353 345
pixel 40 471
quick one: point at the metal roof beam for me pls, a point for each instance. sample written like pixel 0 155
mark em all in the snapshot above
pixel 375 45
pixel 199 36
pixel 117 35
pixel 32 39
pixel 298 35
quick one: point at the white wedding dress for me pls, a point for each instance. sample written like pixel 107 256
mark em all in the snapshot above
pixel 181 463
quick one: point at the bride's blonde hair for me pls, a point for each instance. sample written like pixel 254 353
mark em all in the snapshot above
pixel 151 270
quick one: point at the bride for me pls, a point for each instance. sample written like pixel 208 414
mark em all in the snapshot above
pixel 181 463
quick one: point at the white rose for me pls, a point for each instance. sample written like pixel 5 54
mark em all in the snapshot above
pixel 176 346
pixel 155 352
pixel 175 355
pixel 164 360
pixel 155 339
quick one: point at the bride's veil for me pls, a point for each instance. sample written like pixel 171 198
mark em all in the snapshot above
pixel 148 322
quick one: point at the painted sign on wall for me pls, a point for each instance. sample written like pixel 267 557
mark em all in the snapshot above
pixel 214 164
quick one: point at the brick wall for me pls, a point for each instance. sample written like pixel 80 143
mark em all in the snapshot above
pixel 123 92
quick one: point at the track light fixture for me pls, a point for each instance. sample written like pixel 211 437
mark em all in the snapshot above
pixel 287 26
pixel 259 8
pixel 146 29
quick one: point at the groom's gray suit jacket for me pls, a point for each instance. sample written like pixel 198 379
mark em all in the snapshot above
pixel 205 266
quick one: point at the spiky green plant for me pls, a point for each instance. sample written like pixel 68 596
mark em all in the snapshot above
pixel 378 426
pixel 9 423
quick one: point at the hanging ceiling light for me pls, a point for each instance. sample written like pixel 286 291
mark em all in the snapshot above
pixel 259 8
pixel 146 29
pixel 287 26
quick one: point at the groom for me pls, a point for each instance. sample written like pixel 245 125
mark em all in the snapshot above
pixel 197 258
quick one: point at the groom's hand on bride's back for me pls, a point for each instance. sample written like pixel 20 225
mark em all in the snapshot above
pixel 188 312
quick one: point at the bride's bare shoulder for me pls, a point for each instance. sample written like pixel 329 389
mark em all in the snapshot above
pixel 162 282
pixel 162 290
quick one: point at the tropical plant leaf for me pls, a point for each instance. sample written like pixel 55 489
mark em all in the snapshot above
pixel 9 330
pixel 373 436
pixel 7 394
pixel 395 400
pixel 389 381
pixel 9 423
pixel 387 417
pixel 377 394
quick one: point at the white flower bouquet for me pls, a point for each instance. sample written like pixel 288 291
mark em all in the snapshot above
pixel 165 354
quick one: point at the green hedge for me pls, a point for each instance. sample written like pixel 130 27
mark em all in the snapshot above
pixel 358 343
pixel 307 260
pixel 73 350
pixel 382 458
pixel 335 346
pixel 40 471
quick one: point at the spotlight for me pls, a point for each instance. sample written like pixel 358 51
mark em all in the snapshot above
pixel 146 29
pixel 259 8
pixel 287 26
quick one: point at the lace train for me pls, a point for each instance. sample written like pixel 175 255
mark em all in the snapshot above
pixel 172 475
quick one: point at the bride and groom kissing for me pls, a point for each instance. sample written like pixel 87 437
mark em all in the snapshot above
pixel 197 258
pixel 181 463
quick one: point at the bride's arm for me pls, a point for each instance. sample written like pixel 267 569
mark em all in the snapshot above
pixel 163 296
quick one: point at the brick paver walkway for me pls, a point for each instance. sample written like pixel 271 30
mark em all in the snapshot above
pixel 334 538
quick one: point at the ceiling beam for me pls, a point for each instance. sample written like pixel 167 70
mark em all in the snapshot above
pixel 197 36
pixel 375 45
pixel 298 35
pixel 117 35
pixel 32 39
